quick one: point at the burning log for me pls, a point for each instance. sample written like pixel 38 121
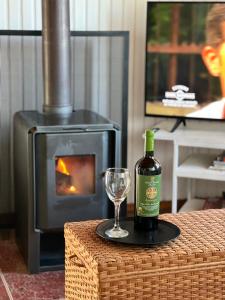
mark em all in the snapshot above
pixel 63 183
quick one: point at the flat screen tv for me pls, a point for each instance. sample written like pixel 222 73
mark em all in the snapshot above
pixel 185 60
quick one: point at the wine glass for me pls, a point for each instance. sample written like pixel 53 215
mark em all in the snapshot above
pixel 117 184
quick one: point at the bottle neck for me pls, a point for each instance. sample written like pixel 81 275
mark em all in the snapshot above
pixel 149 146
pixel 149 153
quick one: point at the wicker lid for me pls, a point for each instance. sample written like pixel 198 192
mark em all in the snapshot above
pixel 202 241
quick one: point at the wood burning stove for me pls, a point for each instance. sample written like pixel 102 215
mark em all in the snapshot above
pixel 60 155
pixel 59 168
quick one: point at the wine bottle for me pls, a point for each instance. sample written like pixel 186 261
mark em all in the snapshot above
pixel 147 187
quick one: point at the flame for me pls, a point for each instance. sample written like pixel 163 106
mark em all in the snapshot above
pixel 61 167
pixel 72 189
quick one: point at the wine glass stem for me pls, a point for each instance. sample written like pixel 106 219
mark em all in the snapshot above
pixel 117 214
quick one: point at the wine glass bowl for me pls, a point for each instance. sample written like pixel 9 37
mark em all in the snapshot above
pixel 117 184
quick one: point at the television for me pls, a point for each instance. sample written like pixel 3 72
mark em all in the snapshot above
pixel 185 60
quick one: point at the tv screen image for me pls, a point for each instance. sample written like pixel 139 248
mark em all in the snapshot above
pixel 185 60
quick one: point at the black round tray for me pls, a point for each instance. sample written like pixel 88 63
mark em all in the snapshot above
pixel 166 232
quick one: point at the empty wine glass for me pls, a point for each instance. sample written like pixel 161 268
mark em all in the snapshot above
pixel 117 184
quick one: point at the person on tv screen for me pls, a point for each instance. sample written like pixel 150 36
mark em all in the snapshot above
pixel 213 55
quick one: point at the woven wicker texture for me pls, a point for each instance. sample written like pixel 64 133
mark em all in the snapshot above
pixel 191 267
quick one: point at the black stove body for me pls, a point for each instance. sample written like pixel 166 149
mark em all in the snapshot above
pixel 59 164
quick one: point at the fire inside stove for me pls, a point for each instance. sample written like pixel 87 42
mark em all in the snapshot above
pixel 75 175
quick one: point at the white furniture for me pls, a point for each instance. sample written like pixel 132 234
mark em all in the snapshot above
pixel 195 166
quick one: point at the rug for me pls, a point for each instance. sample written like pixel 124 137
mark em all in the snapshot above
pixel 17 284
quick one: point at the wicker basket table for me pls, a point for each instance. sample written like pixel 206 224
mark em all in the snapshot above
pixel 191 267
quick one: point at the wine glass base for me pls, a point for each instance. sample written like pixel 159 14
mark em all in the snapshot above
pixel 116 233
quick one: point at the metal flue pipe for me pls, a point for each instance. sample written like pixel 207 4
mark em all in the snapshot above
pixel 56 56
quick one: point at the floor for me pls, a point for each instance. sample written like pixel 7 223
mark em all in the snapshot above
pixel 17 284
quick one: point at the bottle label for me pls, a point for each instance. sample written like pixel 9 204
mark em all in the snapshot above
pixel 148 195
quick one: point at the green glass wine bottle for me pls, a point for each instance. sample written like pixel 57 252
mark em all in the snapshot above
pixel 147 187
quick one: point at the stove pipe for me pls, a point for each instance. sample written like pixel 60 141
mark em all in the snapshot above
pixel 56 56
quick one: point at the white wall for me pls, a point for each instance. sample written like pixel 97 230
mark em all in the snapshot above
pixel 107 15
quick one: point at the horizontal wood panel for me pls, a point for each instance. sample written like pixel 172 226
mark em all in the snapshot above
pixel 175 49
